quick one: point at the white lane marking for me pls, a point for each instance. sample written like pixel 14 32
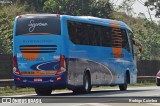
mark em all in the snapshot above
pixel 78 104
pixel 157 104
pixel 98 104
pixel 92 104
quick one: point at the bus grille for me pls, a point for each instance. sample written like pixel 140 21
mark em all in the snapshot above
pixel 38 48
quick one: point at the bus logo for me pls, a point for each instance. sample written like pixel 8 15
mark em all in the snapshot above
pixel 33 25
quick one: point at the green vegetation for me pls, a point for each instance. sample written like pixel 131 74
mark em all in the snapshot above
pixel 7 16
pixel 146 31
pixel 101 8
pixel 7 91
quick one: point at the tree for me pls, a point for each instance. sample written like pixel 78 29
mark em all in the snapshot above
pixel 154 5
pixel 36 5
pixel 97 8
pixel 6 26
pixel 126 6
pixel 147 32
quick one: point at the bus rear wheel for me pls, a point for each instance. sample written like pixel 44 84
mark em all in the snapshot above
pixel 86 88
pixel 43 91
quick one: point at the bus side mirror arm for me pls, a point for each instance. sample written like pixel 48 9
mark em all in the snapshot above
pixel 137 44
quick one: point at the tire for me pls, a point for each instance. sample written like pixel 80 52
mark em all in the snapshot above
pixel 157 81
pixel 86 88
pixel 86 84
pixel 158 84
pixel 123 87
pixel 43 91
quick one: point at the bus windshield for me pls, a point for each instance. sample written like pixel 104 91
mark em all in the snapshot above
pixel 38 25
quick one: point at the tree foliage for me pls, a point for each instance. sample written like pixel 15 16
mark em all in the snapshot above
pixel 100 8
pixel 36 5
pixel 154 5
pixel 7 16
pixel 147 32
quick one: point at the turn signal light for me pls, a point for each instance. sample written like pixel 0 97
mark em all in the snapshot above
pixel 58 78
pixel 18 79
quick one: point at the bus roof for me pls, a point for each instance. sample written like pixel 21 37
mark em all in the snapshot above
pixel 99 20
pixel 91 19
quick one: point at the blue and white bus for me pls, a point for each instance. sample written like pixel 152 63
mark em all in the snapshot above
pixel 52 51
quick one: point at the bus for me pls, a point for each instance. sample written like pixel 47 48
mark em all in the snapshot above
pixel 53 51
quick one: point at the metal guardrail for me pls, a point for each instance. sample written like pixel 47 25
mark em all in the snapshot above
pixel 6 82
pixel 146 76
pixel 146 79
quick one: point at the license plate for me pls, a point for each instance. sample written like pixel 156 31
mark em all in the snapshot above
pixel 38 80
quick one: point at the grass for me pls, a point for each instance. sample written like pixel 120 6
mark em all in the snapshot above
pixel 8 91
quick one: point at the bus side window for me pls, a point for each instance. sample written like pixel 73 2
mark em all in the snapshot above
pixel 125 43
pixel 106 38
pixel 79 34
pixel 96 35
pixel 72 31
pixel 89 33
pixel 131 43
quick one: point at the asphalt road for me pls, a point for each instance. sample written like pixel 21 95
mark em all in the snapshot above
pixel 138 96
pixel 131 92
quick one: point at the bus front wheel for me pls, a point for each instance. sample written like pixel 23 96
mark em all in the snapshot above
pixel 123 87
pixel 86 83
pixel 43 91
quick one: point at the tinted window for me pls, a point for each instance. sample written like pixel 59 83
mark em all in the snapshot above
pixel 125 43
pixel 106 37
pixel 35 25
pixel 131 37
pixel 119 38
pixel 88 34
pixel 97 35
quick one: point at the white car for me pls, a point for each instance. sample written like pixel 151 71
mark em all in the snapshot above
pixel 158 78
